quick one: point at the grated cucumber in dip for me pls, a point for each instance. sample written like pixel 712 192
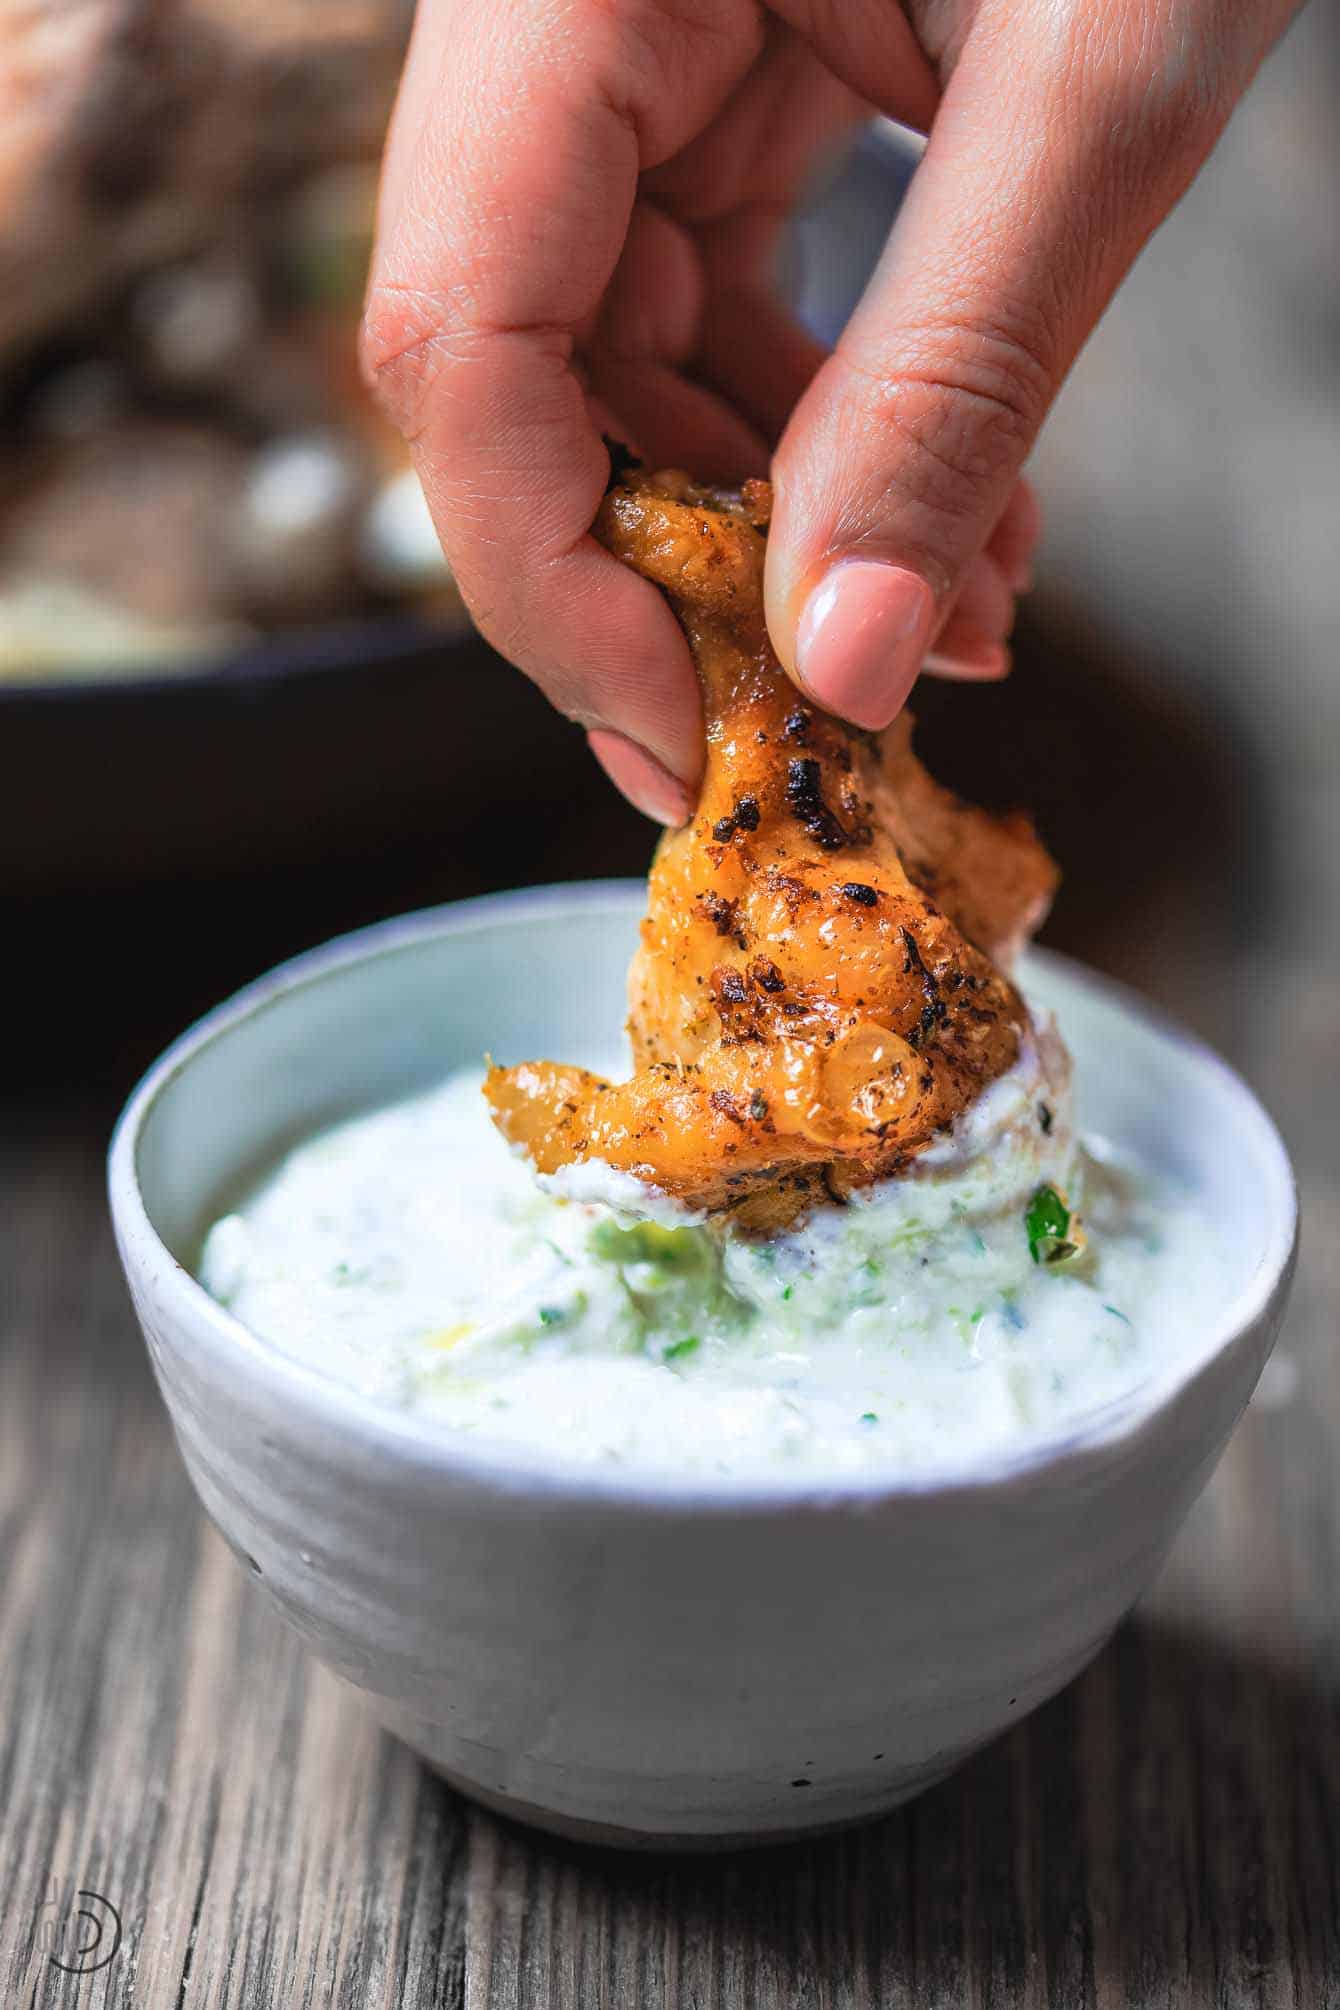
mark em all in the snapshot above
pixel 955 1313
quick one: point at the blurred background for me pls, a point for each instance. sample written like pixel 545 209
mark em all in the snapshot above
pixel 241 707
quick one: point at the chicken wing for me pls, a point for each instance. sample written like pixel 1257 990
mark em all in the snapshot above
pixel 820 985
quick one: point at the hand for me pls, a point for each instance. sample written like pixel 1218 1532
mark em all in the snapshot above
pixel 579 205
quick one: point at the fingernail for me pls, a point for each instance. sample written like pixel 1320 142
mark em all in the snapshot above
pixel 974 662
pixel 861 637
pixel 640 776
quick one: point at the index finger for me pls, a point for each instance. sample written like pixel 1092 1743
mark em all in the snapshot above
pixel 512 171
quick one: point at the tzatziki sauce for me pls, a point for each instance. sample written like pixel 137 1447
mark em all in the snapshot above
pixel 935 1321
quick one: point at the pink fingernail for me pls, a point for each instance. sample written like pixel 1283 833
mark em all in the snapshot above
pixel 639 775
pixel 861 637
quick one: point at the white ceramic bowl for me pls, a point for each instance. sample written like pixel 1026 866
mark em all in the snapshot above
pixel 643 1659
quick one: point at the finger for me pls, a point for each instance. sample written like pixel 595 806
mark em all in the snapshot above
pixel 751 349
pixel 734 189
pixel 1015 538
pixel 420 83
pixel 971 644
pixel 1024 214
pixel 758 357
pixel 984 603
pixel 670 422
pixel 646 332
pixel 757 152
pixel 648 786
pixel 968 661
pixel 504 217
pixel 870 47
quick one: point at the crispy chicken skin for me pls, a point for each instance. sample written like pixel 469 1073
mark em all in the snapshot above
pixel 817 990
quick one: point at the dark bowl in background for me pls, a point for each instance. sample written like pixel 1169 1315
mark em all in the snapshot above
pixel 327 745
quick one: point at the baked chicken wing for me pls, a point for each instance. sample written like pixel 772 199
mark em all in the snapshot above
pixel 820 987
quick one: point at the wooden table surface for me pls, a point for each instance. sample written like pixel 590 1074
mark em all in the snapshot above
pixel 1166 1831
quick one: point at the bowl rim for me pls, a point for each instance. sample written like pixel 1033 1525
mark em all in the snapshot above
pixel 378 1429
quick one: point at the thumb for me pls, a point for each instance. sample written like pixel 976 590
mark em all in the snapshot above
pixel 1024 215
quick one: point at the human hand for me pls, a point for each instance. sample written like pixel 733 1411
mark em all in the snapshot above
pixel 579 206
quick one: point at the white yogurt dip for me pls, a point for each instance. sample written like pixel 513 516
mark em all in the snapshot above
pixel 410 1254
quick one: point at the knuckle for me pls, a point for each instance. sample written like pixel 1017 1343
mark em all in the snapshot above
pixel 400 342
pixel 961 413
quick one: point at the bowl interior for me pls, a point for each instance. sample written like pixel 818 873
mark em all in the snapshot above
pixel 381 1014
